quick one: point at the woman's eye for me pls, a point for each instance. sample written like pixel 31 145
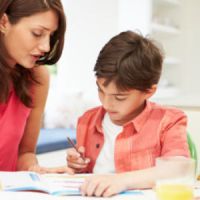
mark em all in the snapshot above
pixel 37 34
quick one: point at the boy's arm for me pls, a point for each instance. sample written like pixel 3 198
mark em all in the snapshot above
pixel 108 185
pixel 174 136
pixel 140 179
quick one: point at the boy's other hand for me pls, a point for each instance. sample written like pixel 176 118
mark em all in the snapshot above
pixel 104 185
pixel 76 161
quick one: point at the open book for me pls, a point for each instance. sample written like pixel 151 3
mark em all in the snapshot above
pixel 54 184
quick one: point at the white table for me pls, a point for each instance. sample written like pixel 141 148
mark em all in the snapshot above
pixel 147 195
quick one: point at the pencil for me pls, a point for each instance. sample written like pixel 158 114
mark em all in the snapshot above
pixel 74 146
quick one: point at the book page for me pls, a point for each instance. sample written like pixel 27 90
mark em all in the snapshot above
pixel 55 184
pixel 63 184
pixel 17 179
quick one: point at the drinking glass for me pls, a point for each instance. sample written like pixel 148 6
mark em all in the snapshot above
pixel 175 178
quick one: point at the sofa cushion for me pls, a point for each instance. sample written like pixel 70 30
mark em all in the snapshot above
pixel 54 139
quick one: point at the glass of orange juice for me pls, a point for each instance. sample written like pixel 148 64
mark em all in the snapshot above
pixel 175 178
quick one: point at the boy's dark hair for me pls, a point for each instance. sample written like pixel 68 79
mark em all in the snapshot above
pixel 131 61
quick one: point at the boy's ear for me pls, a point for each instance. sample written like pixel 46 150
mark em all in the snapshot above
pixel 151 91
pixel 4 23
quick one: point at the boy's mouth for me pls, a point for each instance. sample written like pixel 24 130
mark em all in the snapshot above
pixel 112 112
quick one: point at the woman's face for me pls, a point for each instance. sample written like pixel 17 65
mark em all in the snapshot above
pixel 28 39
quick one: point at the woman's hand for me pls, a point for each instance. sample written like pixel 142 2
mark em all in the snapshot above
pixel 104 185
pixel 39 169
pixel 76 161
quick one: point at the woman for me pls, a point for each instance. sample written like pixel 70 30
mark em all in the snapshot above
pixel 31 35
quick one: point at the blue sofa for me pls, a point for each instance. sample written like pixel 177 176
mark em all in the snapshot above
pixel 54 139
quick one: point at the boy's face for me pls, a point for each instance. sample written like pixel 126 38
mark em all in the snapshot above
pixel 121 106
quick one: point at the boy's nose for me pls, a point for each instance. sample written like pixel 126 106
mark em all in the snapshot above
pixel 107 103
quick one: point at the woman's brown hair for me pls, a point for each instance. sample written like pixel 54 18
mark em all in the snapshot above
pixel 22 78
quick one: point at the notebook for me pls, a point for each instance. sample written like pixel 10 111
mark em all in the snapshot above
pixel 54 184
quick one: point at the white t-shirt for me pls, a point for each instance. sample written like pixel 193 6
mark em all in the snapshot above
pixel 105 161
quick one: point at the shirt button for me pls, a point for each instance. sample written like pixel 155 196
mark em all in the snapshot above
pixel 97 146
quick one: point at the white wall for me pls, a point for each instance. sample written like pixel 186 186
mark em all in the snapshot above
pixel 135 15
pixel 91 24
pixel 191 47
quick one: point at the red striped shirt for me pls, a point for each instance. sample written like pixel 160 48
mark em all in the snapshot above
pixel 157 131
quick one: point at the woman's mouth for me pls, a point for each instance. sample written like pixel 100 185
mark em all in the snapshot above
pixel 35 58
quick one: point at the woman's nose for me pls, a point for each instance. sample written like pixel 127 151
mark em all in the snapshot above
pixel 44 46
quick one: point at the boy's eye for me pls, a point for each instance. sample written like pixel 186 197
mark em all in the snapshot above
pixel 119 98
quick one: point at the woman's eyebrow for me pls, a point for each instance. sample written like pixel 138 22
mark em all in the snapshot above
pixel 47 29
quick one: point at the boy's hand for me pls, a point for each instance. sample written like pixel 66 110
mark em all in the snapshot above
pixel 75 160
pixel 104 185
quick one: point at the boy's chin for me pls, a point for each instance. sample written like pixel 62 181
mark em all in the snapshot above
pixel 117 121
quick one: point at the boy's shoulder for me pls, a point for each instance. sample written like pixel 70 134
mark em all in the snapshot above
pixel 167 110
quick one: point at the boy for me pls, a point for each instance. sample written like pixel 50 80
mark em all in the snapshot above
pixel 127 133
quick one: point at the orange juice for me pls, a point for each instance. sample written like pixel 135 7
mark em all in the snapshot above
pixel 174 192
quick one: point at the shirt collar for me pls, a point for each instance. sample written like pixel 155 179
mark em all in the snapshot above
pixel 98 118
pixel 137 122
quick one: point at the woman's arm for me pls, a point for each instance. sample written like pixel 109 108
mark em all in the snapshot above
pixel 27 157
